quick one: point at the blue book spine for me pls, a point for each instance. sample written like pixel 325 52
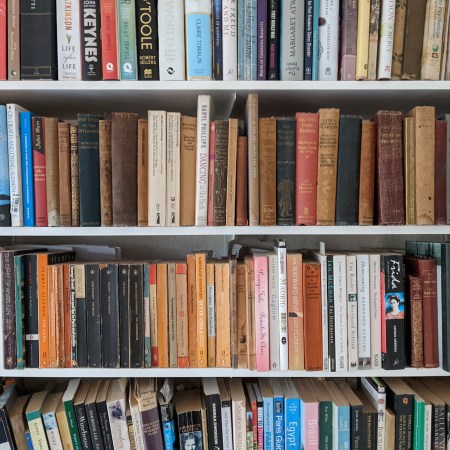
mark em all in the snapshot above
pixel 217 36
pixel 251 33
pixel 268 422
pixel 126 22
pixel 292 426
pixel 278 404
pixel 343 427
pixel 169 434
pixel 241 39
pixel 5 197
pixel 28 438
pixel 308 39
pixel 27 168
pixel 315 40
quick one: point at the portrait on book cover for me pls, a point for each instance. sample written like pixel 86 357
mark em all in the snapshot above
pixel 394 305
pixel 191 441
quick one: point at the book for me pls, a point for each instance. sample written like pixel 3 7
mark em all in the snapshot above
pixel 67 401
pixel 34 418
pixel 362 40
pixel 399 39
pixel 348 38
pixel 127 42
pixel 216 21
pixel 108 34
pixel 220 172
pixel 328 40
pixel 81 413
pixel 102 413
pixel 211 394
pixel 92 414
pixel 115 402
pixel 142 172
pixel 242 182
pixel 104 147
pixel 5 197
pixel 17 419
pixel 39 172
pixel 386 40
pixel 251 130
pixel 74 176
pixel 182 315
pixel 50 135
pixel 440 168
pixel 375 290
pixel 222 345
pixel 147 39
pixel 65 204
pixel 26 147
pixel 13 41
pixel 91 66
pixel 230 209
pixel 273 38
pixel 238 408
pixel 173 169
pixel 229 40
pixel 374 29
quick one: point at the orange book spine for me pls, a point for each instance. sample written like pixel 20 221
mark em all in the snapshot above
pixel 163 316
pixel 182 315
pixel 211 295
pixel 200 285
pixel 223 358
pixel 192 311
pixel 51 296
pixel 153 314
pixel 68 331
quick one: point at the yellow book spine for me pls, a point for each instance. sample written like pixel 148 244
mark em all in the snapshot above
pixel 362 40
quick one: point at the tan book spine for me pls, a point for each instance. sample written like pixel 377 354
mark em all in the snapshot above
pixel 241 316
pixel 52 170
pixel 362 40
pixel 424 138
pixel 172 315
pixel 65 203
pixel 251 128
pixel 63 427
pixel 52 336
pixel 200 287
pixel 242 182
pixel 74 176
pixel 399 39
pixel 267 171
pixel 173 170
pixel 223 357
pixel 13 40
pixel 409 161
pixel 104 128
pixel 188 143
pixel 211 296
pixel 250 307
pixel 162 314
pixel 327 165
pixel 142 173
pixel 182 315
pixel 367 173
pixel 231 174
pixel 192 311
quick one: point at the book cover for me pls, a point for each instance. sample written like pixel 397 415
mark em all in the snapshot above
pixel 147 39
pixel 229 40
pixel 109 44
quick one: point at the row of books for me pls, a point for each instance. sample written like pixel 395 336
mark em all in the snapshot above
pixel 169 170
pixel 264 310
pixel 224 40
pixel 209 413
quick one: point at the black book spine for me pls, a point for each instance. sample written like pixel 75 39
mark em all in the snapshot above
pixel 124 312
pixel 89 169
pixel 94 426
pixel 330 302
pixel 220 173
pixel 91 67
pixel 286 171
pixel 438 427
pixel 357 428
pixel 347 187
pixel 371 431
pixel 309 14
pixel 83 427
pixel 80 305
pixel 217 39
pixel 136 316
pixel 38 52
pixel 9 310
pixel 392 270
pixel 273 37
pixel 404 411
pixel 31 312
pixel 214 421
pixel 73 316
pixel 147 39
pixel 60 257
pixel 6 436
pixel 110 315
pixel 105 428
pixel 93 308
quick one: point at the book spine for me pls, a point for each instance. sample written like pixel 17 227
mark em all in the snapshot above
pixel 91 67
pixel 144 38
pixel 415 324
pixel 386 40
pixel 65 210
pixel 217 19
pixel 36 430
pixel 142 173
pixel 19 275
pixel 440 168
pixel 278 422
pixel 273 40
pixel 251 127
pixel 110 61
pixel 27 168
pixel 74 176
pixel 72 422
pixel 192 310
pixel 136 316
pixel 261 313
pixel 262 40
pixel 283 341
pixel 173 169
pixel 198 40
pixel 126 32
pixel 51 170
pixel 31 312
pixel 234 344
pixel 94 426
pixel 349 30
pixel 83 427
pixel 250 40
pixel 124 308
pixel 72 339
pixel 9 311
pixel 375 316
pixel 315 49
pixel 13 51
pixel 274 313
pixel 211 314
pixel 172 315
pixel 39 170
pixel 292 40
pixel 362 40
pixel 5 198
pixel 203 127
pixel 268 425
pixel 171 40
pixel 364 323
pixel 374 27
pixel 292 425
pixel 241 315
pixel 229 40
pixel 399 39
pixel 340 312
pixel 152 272
pixel 404 409
pixel 242 182
pixel 104 147
pixel 51 429
pixel 68 40
pixel 182 317
pixel 308 48
pixel 220 172
pixel 200 288
pixel 329 40
pixel 409 169
pixel 162 315
pixel 93 310
pixel 230 209
pixel 352 313
pixel 81 312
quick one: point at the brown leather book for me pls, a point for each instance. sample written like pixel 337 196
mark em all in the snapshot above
pixel 312 315
pixel 65 204
pixel 142 173
pixel 389 168
pixel 124 168
pixel 267 171
pixel 440 169
pixel 413 40
pixel 192 311
pixel 230 209
pixel 52 170
pixel 220 173
pixel 250 297
pixel 242 182
pixel 163 315
pixel 367 173
pixel 427 270
pixel 327 165
pixel 104 128
pixel 241 315
pixel 414 325
pixel 74 176
pixel 424 139
pixel 187 170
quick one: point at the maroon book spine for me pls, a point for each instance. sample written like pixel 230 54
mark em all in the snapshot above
pixel 39 171
pixel 440 170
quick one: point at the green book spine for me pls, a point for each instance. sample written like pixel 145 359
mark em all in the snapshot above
pixel 419 424
pixel 20 341
pixel 73 428
pixel 325 425
pixel 127 40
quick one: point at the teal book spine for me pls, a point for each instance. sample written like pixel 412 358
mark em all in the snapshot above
pixel 73 428
pixel 27 168
pixel 127 39
pixel 5 198
pixel 343 431
pixel 19 275
pixel 241 39
pixel 419 424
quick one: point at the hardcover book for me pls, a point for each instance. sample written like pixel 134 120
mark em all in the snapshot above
pixel 349 32
pixel 106 206
pixel 90 40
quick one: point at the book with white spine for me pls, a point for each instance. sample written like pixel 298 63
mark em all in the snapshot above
pixel 280 249
pixel 328 40
pixel 227 420
pixel 172 58
pixel 274 320
pixel 136 416
pixel 115 403
pixel 68 39
pixel 352 313
pixel 15 163
pixel 362 275
pixel 229 40
pixel 157 168
pixel 173 169
pixel 375 313
pixel 49 417
pixel 292 39
pixel 376 393
pixel 204 106
pixel 386 39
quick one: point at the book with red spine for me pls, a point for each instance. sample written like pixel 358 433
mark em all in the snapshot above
pixel 440 170
pixel 110 58
pixel 39 172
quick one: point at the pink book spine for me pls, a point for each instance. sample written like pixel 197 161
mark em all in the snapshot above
pixel 212 157
pixel 312 426
pixel 154 342
pixel 261 271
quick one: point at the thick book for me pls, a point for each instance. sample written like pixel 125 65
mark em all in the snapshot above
pixel 91 65
pixel 349 32
pixel 348 167
pixel 31 321
pixel 104 149
pixel 147 39
pixel 38 48
pixel 89 169
pixel 110 56
pixel 17 420
pixel 191 417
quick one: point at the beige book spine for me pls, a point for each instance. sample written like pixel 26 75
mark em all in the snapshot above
pixel 74 176
pixel 223 357
pixel 250 307
pixel 231 174
pixel 211 298
pixel 409 170
pixel 241 316
pixel 399 39
pixel 362 40
pixel 38 436
pixel 13 40
pixel 104 129
pixel 162 314
pixel 182 315
pixel 251 116
pixel 173 169
pixel 52 170
pixel 200 287
pixel 142 173
pixel 65 203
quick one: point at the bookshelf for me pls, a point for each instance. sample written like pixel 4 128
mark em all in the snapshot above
pixel 65 99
